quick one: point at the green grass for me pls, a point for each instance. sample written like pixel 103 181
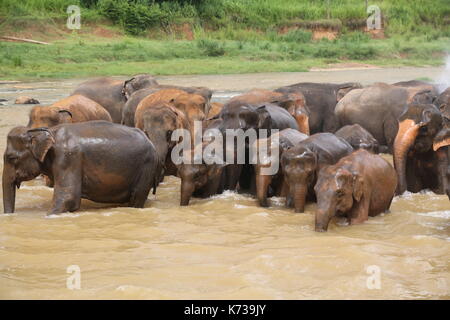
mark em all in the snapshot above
pixel 76 57
pixel 230 36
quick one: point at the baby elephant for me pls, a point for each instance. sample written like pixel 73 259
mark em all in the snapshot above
pixel 358 137
pixel 97 160
pixel 72 109
pixel 359 185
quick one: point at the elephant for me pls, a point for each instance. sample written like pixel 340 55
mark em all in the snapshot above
pixel 112 94
pixel 129 109
pixel 358 138
pixel 96 160
pixel 422 86
pixel 76 108
pixel 236 115
pixel 302 164
pixel 273 147
pixel 294 103
pixel 441 146
pixel 214 110
pixel 200 178
pixel 420 146
pixel 359 185
pixel 321 99
pixel 377 108
pixel 159 121
pixel 443 103
pixel 192 105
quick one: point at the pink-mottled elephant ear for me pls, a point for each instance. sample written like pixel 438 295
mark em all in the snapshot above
pixel 358 186
pixel 41 142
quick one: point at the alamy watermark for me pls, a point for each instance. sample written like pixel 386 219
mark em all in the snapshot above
pixel 374 279
pixel 374 19
pixel 73 282
pixel 237 146
pixel 74 19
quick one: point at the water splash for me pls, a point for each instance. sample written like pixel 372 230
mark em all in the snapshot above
pixel 444 80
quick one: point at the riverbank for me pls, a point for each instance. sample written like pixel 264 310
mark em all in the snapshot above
pixel 80 56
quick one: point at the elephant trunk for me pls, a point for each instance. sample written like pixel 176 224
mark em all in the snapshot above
pixel 406 135
pixel 187 189
pixel 9 189
pixel 299 197
pixel 262 184
pixel 303 124
pixel 322 220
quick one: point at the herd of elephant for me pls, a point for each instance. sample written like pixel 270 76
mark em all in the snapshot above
pixel 110 141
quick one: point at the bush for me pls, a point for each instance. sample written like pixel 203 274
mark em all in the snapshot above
pixel 299 35
pixel 211 48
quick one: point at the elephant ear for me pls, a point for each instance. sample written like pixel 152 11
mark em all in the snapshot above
pixel 442 139
pixel 341 92
pixel 265 120
pixel 41 142
pixel 125 92
pixel 358 186
pixel 65 116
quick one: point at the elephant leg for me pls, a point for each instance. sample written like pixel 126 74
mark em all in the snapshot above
pixel 442 168
pixel 390 128
pixel 49 182
pixel 360 211
pixel 67 190
pixel 142 188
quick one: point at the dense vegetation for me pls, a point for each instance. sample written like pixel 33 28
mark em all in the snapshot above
pixel 228 36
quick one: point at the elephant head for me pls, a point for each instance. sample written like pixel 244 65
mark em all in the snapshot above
pixel 443 103
pixel 266 153
pixel 138 82
pixel 299 167
pixel 23 160
pixel 418 126
pixel 345 88
pixel 336 191
pixel 200 177
pixel 158 123
pixel 193 106
pixel 49 116
pixel 295 104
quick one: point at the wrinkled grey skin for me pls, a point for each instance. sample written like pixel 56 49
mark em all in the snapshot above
pixel 302 164
pixel 112 94
pixel 358 138
pixel 443 104
pixel 321 99
pixel 238 115
pixel 377 109
pixel 129 109
pixel 91 160
pixel 268 185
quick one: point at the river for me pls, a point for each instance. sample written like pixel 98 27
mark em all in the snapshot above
pixel 225 247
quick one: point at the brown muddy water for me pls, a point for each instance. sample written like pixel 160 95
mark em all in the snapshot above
pixel 225 247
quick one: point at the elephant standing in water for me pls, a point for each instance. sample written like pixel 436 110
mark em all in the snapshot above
pixel 302 164
pixel 321 99
pixel 237 115
pixel 294 103
pixel 377 109
pixel 269 183
pixel 358 138
pixel 76 108
pixel 357 186
pixel 129 110
pixel 112 94
pixel 97 160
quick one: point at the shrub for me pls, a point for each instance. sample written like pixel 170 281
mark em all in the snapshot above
pixel 298 35
pixel 211 48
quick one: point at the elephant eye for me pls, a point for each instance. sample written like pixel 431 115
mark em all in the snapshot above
pixel 340 193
